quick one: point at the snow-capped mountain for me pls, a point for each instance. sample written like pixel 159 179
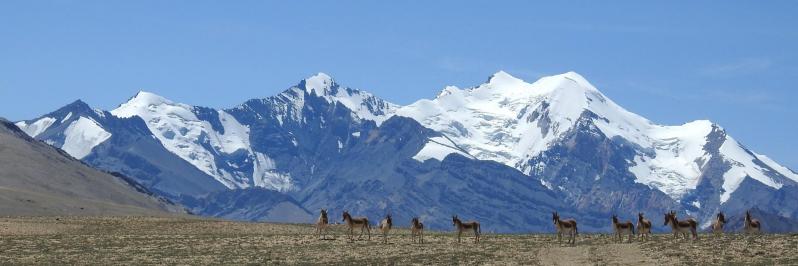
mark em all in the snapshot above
pixel 518 124
pixel 73 128
pixel 199 135
pixel 558 141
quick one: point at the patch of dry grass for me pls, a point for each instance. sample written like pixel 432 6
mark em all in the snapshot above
pixel 142 240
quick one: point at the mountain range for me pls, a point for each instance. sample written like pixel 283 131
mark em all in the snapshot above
pixel 505 152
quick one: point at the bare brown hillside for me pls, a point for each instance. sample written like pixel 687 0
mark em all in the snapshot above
pixel 37 179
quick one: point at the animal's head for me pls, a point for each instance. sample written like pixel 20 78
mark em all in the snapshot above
pixel 721 217
pixel 345 215
pixel 640 216
pixel 388 218
pixel 668 217
pixel 748 215
pixel 415 220
pixel 455 220
pixel 615 218
pixel 324 213
pixel 555 217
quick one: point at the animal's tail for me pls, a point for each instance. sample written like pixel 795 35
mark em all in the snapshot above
pixel 479 228
pixel 576 230
pixel 633 230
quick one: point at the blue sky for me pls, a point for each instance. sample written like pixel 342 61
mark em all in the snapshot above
pixel 734 63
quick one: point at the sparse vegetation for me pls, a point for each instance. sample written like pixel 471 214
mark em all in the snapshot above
pixel 142 240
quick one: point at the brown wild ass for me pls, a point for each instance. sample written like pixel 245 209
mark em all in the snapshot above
pixel 361 222
pixel 752 226
pixel 717 225
pixel 565 227
pixel 417 230
pixel 461 226
pixel 682 227
pixel 322 224
pixel 623 228
pixel 643 227
pixel 385 227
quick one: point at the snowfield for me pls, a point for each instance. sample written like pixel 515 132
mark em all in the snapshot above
pixel 82 136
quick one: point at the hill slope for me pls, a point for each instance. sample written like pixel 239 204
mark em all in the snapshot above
pixel 37 179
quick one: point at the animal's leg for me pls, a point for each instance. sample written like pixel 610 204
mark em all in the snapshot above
pixel 573 238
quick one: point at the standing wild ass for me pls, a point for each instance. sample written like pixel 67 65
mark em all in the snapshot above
pixel 717 225
pixel 385 227
pixel 752 226
pixel 361 222
pixel 643 227
pixel 682 227
pixel 565 227
pixel 322 224
pixel 623 228
pixel 461 226
pixel 417 230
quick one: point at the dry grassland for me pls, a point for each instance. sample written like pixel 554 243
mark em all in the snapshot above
pixel 142 240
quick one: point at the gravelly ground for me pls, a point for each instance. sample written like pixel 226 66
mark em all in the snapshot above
pixel 142 240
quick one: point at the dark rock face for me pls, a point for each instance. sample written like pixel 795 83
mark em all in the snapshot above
pixel 300 142
pixel 254 204
pixel 591 170
pixel 376 175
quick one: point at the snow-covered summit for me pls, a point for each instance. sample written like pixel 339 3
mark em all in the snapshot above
pixel 364 105
pixel 141 102
pixel 198 135
pixel 319 84
pixel 511 121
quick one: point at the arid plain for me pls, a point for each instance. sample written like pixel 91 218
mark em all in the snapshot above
pixel 141 240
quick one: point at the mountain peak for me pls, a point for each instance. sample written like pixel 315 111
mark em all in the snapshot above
pixel 77 105
pixel 320 83
pixel 448 90
pixel 574 78
pixel 145 96
pixel 142 100
pixel 502 77
pixel 78 102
